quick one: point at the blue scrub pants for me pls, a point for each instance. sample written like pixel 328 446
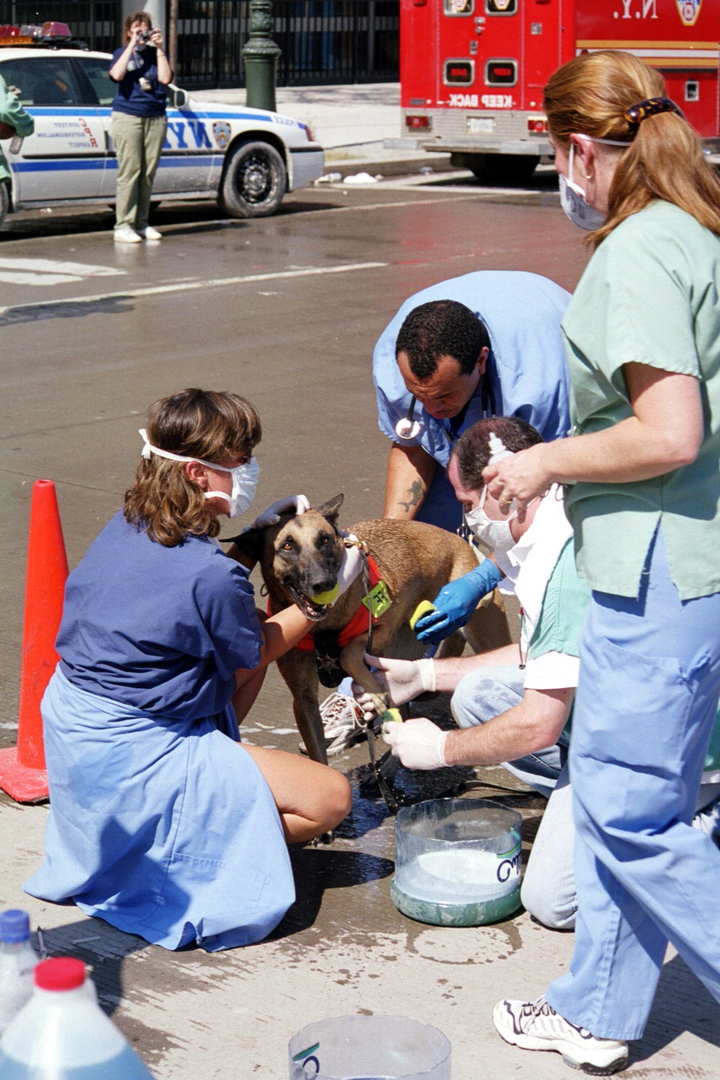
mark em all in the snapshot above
pixel 644 711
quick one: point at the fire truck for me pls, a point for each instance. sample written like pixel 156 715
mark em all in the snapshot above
pixel 472 71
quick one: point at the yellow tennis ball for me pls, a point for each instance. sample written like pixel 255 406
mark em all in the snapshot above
pixel 422 609
pixel 324 598
pixel 394 715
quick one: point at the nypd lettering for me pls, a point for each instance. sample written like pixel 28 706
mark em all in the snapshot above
pixel 187 135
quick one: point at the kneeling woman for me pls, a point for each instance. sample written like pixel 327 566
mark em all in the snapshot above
pixel 161 821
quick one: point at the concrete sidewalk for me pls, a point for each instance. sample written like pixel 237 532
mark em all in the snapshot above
pixel 342 949
pixel 360 126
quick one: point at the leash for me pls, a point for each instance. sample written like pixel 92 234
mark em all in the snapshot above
pixel 393 800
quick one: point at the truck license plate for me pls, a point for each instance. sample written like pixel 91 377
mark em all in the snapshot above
pixel 480 125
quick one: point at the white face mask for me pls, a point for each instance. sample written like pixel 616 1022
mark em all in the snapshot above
pixel 496 534
pixel 574 203
pixel 244 477
pixel 572 196
pixel 244 482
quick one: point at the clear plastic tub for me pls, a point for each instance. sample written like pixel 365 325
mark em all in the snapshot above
pixel 369 1048
pixel 457 862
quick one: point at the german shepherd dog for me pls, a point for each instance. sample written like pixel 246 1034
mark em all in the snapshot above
pixel 300 558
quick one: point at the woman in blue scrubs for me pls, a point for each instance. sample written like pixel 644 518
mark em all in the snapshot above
pixel 642 335
pixel 161 821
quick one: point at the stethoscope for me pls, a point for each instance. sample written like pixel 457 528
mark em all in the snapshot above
pixel 409 428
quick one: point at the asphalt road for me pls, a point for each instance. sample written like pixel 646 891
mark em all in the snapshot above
pixel 284 310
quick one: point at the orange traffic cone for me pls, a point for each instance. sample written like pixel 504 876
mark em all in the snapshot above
pixel 22 768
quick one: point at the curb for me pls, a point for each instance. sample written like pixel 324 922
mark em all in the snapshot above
pixel 336 162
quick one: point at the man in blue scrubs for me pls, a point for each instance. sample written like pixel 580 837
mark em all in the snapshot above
pixel 506 327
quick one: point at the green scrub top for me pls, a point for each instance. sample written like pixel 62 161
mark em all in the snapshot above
pixel 12 112
pixel 564 608
pixel 650 295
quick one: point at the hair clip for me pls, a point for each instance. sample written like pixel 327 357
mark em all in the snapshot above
pixel 650 107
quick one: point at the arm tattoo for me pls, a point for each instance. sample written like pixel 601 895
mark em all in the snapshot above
pixel 417 493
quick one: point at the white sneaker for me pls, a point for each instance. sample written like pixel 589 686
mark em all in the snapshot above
pixel 126 235
pixel 148 233
pixel 342 720
pixel 534 1025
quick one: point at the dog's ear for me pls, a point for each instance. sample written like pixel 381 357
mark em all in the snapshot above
pixel 331 508
pixel 249 543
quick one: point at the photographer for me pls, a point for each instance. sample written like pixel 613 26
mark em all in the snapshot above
pixel 138 125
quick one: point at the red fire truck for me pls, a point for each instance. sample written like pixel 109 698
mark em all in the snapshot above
pixel 472 71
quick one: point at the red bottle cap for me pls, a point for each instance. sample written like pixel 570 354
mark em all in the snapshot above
pixel 62 973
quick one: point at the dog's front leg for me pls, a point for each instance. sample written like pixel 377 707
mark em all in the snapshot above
pixel 352 661
pixel 300 673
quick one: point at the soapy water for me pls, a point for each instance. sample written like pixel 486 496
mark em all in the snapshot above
pixel 466 875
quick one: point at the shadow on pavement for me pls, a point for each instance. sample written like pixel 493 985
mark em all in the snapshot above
pixel 681 1004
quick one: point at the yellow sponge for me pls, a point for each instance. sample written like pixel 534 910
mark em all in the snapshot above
pixel 422 609
pixel 328 597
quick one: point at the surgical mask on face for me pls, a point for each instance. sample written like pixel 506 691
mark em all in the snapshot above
pixel 244 477
pixel 244 482
pixel 572 196
pixel 574 203
pixel 496 534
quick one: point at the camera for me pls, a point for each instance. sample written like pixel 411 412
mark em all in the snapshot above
pixel 144 35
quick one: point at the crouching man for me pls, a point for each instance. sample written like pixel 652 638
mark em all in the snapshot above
pixel 513 705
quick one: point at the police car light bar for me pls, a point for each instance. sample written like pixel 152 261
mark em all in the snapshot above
pixel 30 34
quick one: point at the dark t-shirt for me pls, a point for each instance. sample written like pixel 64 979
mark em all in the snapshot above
pixel 130 97
pixel 159 628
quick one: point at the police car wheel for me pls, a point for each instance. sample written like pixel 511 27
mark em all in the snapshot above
pixel 4 202
pixel 255 181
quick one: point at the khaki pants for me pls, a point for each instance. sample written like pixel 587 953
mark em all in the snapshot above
pixel 138 144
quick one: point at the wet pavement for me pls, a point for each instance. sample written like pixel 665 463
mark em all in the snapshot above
pixel 285 310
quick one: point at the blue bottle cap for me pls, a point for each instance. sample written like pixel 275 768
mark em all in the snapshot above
pixel 14 925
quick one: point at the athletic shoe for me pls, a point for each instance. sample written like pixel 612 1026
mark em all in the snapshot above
pixel 534 1025
pixel 342 720
pixel 148 233
pixel 707 820
pixel 126 235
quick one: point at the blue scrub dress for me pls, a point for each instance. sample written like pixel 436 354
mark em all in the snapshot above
pixel 160 821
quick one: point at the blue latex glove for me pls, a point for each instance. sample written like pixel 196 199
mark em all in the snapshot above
pixel 456 602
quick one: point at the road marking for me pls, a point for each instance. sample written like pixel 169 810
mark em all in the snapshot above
pixel 187 286
pixel 50 271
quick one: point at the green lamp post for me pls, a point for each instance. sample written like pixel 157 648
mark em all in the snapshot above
pixel 260 56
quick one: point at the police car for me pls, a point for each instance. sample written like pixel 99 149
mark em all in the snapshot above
pixel 245 158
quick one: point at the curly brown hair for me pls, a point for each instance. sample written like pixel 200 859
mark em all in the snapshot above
pixel 202 424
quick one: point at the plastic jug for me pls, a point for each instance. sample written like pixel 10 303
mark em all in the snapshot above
pixel 17 964
pixel 63 1034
